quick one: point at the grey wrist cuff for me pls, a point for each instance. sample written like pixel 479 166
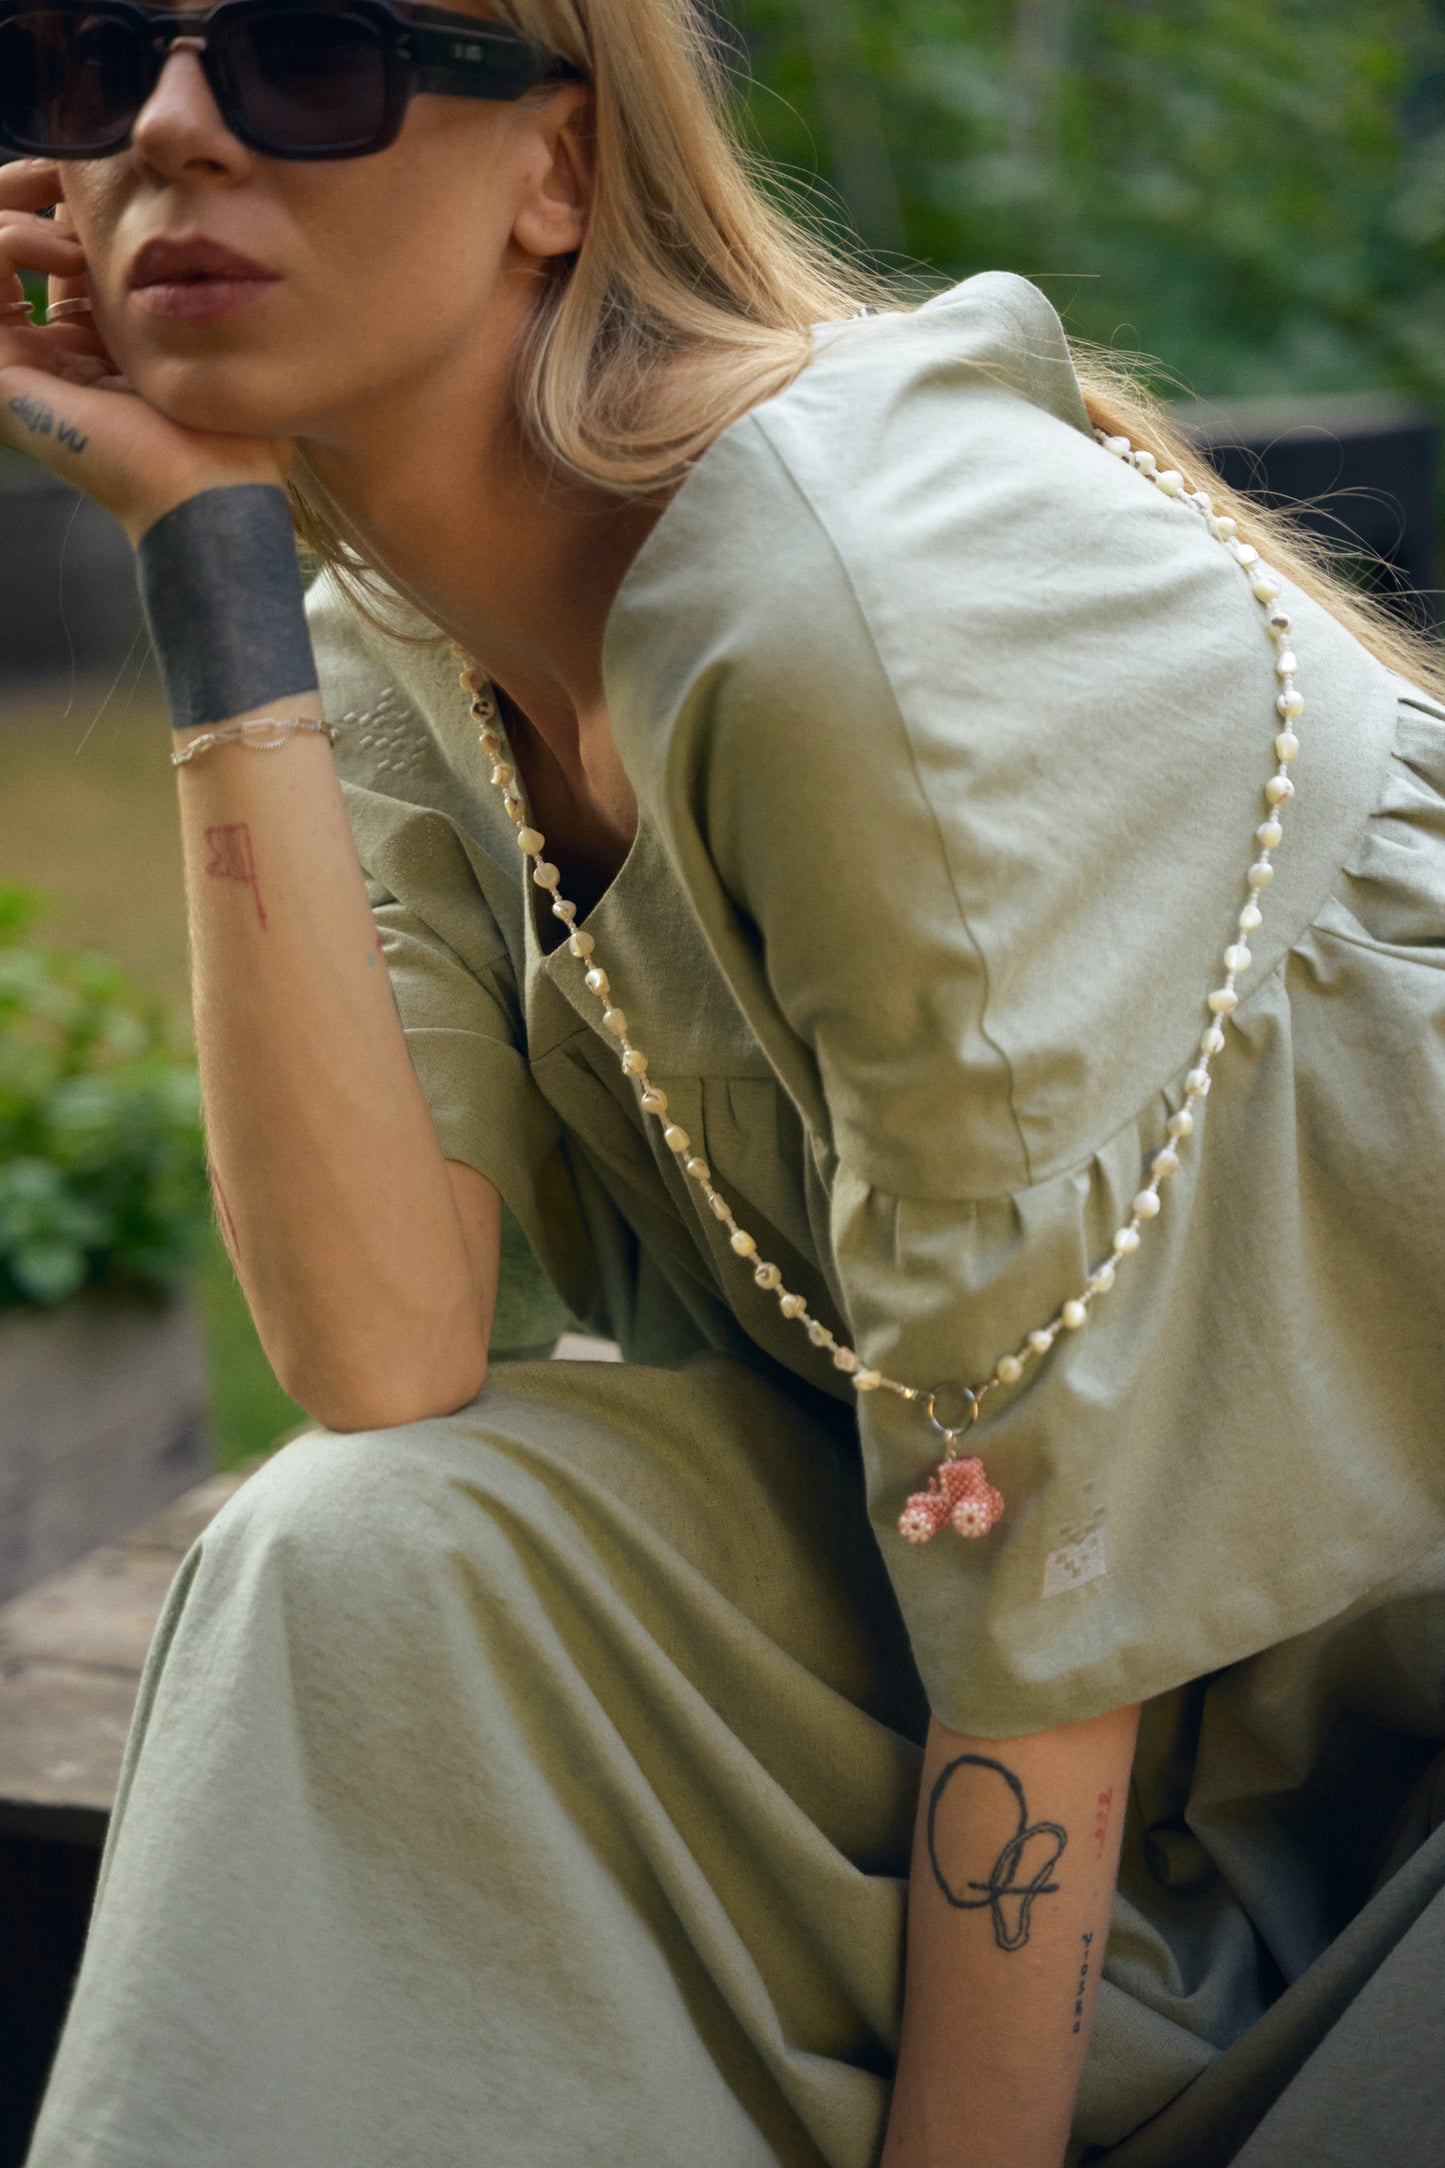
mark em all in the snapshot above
pixel 222 595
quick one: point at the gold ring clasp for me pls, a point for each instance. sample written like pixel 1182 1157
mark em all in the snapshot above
pixel 959 1410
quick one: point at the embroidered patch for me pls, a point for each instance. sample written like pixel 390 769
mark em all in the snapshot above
pixel 1074 1563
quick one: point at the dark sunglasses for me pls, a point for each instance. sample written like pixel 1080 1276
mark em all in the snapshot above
pixel 292 78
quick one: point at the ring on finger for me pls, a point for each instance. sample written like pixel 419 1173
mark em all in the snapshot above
pixel 15 308
pixel 78 305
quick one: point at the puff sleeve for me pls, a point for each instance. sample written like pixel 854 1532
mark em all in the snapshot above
pixel 961 756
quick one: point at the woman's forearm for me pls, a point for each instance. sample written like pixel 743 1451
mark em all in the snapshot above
pixel 330 1184
pixel 1015 1855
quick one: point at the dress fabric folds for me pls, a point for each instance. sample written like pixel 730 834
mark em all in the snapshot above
pixel 537 1784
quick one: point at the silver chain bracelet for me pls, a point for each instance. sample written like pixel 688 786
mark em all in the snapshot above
pixel 279 731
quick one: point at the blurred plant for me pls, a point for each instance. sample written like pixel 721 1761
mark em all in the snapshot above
pixel 1255 194
pixel 102 1166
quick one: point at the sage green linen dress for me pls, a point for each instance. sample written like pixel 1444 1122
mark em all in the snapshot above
pixel 535 1785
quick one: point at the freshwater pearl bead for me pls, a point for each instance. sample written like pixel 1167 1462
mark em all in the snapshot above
pixel 1237 957
pixel 1251 918
pixel 1224 528
pixel 867 1381
pixel 1224 1001
pixel 581 944
pixel 545 874
pixel 653 1100
pixel 514 806
pixel 1265 588
pixel 1197 1083
pixel 1171 481
pixel 767 1277
pixel 634 1062
pixel 1010 1370
pixel 1180 1124
pixel 697 1170
pixel 473 680
pixel 1041 1340
pixel 1271 835
pixel 1100 1282
pixel 677 1140
pixel 1285 664
pixel 844 1359
pixel 1074 1315
pixel 1119 446
pixel 792 1305
pixel 1244 553
pixel 718 1206
pixel 1261 873
pixel 1146 463
pixel 742 1242
pixel 502 774
pixel 530 840
pixel 615 1021
pixel 1291 703
pixel 562 909
pixel 597 981
pixel 1280 622
pixel 1287 745
pixel 1211 1041
pixel 1279 790
pixel 1146 1204
pixel 1164 1164
pixel 819 1334
pixel 1126 1241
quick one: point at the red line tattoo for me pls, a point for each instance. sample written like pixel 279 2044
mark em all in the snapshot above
pixel 232 859
pixel 223 1214
pixel 1101 1818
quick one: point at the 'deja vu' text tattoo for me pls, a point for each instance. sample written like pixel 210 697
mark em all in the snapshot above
pixel 43 421
pixel 232 859
pixel 1009 1884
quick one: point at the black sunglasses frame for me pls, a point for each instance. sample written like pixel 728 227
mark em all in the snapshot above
pixel 429 49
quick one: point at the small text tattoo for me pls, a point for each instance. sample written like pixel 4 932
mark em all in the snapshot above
pixel 1018 1874
pixel 1101 1818
pixel 232 859
pixel 43 421
pixel 1083 1980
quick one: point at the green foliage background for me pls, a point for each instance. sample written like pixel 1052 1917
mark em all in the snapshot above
pixel 1254 194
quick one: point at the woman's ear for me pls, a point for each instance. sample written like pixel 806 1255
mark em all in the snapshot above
pixel 557 184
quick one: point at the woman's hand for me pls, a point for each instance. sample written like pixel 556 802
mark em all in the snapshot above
pixel 62 399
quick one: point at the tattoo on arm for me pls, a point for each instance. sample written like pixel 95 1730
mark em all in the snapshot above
pixel 1004 1887
pixel 377 949
pixel 1083 1982
pixel 43 421
pixel 1101 1819
pixel 232 859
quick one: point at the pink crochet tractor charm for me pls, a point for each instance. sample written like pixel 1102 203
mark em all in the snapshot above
pixel 959 1493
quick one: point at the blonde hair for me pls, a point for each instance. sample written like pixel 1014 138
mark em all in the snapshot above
pixel 693 298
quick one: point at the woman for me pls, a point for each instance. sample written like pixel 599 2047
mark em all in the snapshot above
pixel 542 1763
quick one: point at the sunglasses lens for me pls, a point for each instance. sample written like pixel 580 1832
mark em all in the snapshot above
pixel 69 81
pixel 309 80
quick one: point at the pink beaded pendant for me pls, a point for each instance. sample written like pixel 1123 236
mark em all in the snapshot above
pixel 959 1493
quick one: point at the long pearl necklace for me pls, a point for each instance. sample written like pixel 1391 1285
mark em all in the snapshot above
pixel 958 1492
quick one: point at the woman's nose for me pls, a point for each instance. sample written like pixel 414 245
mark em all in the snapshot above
pixel 180 124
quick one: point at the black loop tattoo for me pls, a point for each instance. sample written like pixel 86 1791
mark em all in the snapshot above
pixel 1002 1885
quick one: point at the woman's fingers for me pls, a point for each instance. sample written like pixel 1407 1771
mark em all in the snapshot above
pixel 31 243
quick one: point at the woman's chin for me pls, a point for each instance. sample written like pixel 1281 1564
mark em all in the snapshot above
pixel 215 396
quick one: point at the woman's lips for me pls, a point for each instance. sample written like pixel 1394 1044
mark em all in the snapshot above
pixel 198 300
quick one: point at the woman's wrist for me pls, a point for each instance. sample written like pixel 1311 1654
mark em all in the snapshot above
pixel 222 595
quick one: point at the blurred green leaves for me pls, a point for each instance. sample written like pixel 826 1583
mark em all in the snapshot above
pixel 1255 194
pixel 102 1165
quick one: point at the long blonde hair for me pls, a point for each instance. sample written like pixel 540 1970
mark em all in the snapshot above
pixel 694 294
